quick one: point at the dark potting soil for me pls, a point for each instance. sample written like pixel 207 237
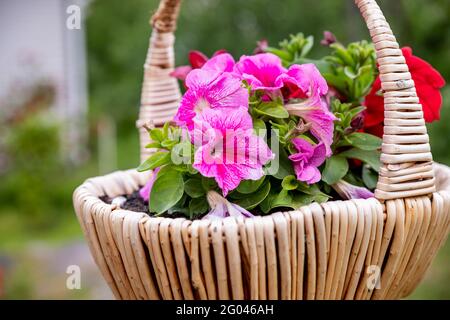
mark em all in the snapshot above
pixel 137 204
pixel 134 202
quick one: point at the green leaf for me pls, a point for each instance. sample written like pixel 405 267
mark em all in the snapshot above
pixel 336 81
pixel 300 199
pixel 197 207
pixel 193 187
pixel 355 111
pixel 366 77
pixel 364 141
pixel 285 167
pixel 324 66
pixel 258 124
pixel 250 186
pixel 272 109
pixel 168 144
pixel 209 184
pixel 320 198
pixel 372 158
pixel 167 190
pixel 369 177
pixel 336 168
pixel 165 130
pixel 153 145
pixel 252 200
pixel 265 205
pixel 309 43
pixel 182 152
pixel 282 199
pixel 280 53
pixel 349 73
pixel 290 183
pixel 157 135
pixel 180 206
pixel 156 160
pixel 343 53
pixel 191 170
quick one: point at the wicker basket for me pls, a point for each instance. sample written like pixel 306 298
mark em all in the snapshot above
pixel 330 251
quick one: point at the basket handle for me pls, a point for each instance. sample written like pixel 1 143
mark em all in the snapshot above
pixel 406 156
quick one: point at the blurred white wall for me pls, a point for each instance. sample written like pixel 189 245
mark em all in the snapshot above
pixel 36 44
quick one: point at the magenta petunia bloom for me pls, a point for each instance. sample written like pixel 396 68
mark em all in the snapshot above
pixel 262 71
pixel 307 82
pixel 321 120
pixel 307 160
pixel 313 108
pixel 144 193
pixel 348 191
pixel 210 89
pixel 228 150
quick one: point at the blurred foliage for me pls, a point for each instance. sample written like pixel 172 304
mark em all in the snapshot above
pixel 29 145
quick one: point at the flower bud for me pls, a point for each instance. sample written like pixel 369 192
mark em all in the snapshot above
pixel 328 39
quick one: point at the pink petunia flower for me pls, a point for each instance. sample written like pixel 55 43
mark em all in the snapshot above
pixel 348 191
pixel 321 121
pixel 228 150
pixel 313 109
pixel 196 60
pixel 144 192
pixel 210 89
pixel 262 71
pixel 307 160
pixel 222 208
pixel 307 82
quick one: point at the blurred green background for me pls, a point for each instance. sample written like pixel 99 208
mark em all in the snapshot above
pixel 35 192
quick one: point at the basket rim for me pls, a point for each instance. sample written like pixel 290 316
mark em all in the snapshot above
pixel 118 240
pixel 86 189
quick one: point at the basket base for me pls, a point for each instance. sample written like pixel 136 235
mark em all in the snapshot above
pixel 356 249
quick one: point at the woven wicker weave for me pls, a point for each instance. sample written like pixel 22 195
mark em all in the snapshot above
pixel 328 251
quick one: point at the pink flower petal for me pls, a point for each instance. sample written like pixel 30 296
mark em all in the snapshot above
pixel 261 71
pixel 303 146
pixel 229 152
pixel 145 191
pixel 228 92
pixel 181 72
pixel 201 79
pixel 319 156
pixel 309 175
pixel 321 120
pixel 309 79
pixel 210 89
pixel 221 62
pixel 307 160
pixel 322 126
pixel 348 191
pixel 221 208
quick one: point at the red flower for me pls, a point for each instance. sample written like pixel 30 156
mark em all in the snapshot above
pixel 428 82
pixel 196 60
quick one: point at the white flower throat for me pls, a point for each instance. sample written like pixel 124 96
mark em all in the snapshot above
pixel 201 105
